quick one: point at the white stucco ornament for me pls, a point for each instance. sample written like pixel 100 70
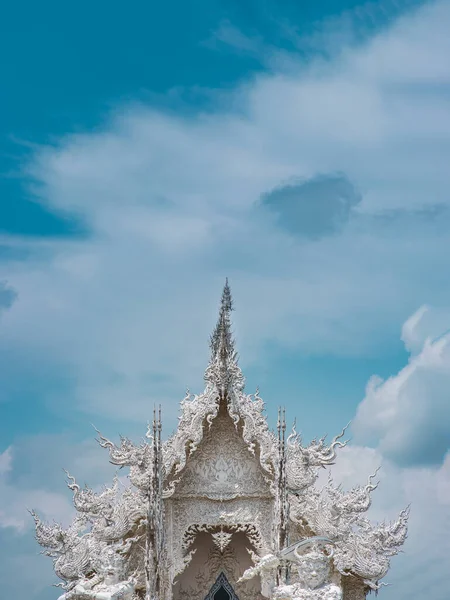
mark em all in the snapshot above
pixel 108 585
pixel 307 563
pixel 224 506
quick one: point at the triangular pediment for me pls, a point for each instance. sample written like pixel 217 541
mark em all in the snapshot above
pixel 223 467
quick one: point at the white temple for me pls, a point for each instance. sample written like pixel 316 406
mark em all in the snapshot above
pixel 225 509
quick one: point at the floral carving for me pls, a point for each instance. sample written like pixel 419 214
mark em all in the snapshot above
pixel 222 539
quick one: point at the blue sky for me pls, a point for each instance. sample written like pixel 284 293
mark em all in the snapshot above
pixel 146 153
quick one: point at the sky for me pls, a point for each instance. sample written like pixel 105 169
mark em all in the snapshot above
pixel 148 151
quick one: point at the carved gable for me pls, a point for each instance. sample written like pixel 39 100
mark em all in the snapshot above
pixel 222 467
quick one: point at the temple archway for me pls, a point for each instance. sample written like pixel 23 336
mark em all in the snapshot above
pixel 213 572
pixel 221 590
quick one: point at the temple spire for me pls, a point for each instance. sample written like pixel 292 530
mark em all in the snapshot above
pixel 223 371
pixel 221 342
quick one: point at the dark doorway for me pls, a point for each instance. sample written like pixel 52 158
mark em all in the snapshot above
pixel 221 590
pixel 221 594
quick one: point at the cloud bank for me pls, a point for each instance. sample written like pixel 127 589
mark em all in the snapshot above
pixel 171 202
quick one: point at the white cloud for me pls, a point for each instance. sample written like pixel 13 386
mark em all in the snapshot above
pixel 14 501
pixel 408 415
pixel 5 461
pixel 425 326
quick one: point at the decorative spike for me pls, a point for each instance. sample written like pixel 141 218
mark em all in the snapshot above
pixel 227 300
pixel 221 341
pixel 223 372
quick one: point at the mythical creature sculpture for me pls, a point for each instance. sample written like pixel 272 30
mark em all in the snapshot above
pixel 303 462
pixel 108 526
pixel 361 548
pixel 108 584
pixel 313 572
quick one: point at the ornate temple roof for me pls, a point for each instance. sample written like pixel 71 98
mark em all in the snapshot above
pixel 133 521
pixel 224 385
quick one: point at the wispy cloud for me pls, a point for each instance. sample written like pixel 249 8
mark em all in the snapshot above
pixel 231 37
pixel 14 501
pixel 7 295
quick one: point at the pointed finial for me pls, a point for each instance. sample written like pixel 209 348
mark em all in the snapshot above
pixel 221 341
pixel 227 300
pixel 223 371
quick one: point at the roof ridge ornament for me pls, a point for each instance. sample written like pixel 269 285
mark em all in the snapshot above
pixel 223 372
pixel 221 340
